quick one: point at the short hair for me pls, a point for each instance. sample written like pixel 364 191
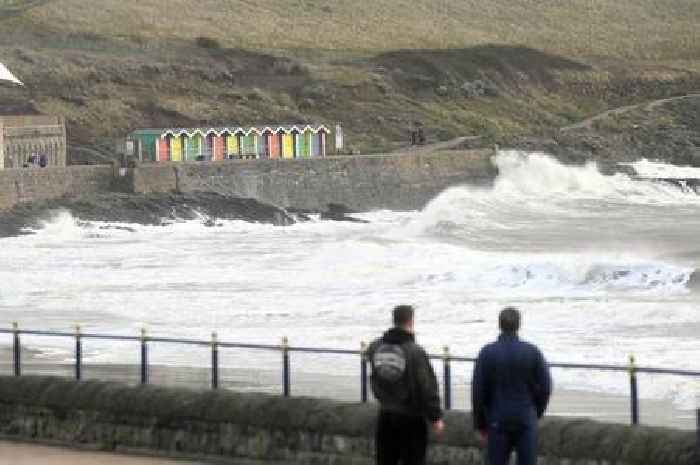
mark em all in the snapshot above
pixel 509 320
pixel 403 314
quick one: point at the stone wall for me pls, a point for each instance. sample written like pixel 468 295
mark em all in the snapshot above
pixel 224 424
pixel 397 182
pixel 36 184
pixel 22 136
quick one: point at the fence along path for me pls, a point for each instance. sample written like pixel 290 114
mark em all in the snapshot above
pixel 286 350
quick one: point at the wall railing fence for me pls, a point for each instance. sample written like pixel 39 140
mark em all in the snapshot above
pixel 285 349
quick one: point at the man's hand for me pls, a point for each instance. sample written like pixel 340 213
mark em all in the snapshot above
pixel 483 436
pixel 438 428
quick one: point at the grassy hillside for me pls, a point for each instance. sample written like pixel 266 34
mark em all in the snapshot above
pixel 487 67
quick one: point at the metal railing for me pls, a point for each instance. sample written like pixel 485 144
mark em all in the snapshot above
pixel 285 350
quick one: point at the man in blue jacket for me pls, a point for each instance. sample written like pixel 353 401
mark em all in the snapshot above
pixel 510 392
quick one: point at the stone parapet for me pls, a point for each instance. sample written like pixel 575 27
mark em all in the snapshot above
pixel 225 424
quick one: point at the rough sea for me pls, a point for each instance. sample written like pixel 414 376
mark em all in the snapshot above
pixel 601 266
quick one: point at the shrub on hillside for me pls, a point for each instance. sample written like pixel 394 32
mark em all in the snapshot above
pixel 207 42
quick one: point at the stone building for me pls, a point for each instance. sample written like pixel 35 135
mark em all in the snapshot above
pixel 24 136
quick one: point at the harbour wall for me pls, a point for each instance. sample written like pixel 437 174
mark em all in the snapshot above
pixel 228 425
pixel 37 184
pixel 397 182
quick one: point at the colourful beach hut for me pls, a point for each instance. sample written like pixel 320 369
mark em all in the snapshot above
pixel 304 142
pixel 193 146
pixel 218 147
pixel 145 143
pixel 249 144
pixel 175 148
pixel 232 145
pixel 316 145
pixel 275 144
pixel 263 145
pixel 287 145
pixel 163 149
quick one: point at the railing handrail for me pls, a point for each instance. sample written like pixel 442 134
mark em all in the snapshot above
pixel 333 351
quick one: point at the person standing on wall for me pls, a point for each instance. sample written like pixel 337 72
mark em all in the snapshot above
pixel 404 383
pixel 511 387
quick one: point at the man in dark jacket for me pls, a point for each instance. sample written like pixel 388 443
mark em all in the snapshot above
pixel 510 392
pixel 404 382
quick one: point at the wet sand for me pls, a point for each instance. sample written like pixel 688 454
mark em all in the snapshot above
pixel 14 453
pixel 565 403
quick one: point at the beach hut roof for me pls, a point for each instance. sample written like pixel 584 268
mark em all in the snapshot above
pixel 234 129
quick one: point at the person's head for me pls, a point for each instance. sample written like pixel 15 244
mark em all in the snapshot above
pixel 403 317
pixel 509 320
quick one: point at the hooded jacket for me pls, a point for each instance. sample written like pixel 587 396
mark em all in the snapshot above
pixel 511 384
pixel 415 393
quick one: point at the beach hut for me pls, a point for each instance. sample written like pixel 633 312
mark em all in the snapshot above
pixel 304 142
pixel 318 142
pixel 218 146
pixel 287 145
pixel 193 145
pixel 275 144
pixel 163 149
pixel 232 145
pixel 263 147
pixel 145 141
pixel 208 146
pixel 175 147
pixel 249 144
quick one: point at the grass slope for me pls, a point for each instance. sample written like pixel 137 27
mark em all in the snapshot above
pixel 377 66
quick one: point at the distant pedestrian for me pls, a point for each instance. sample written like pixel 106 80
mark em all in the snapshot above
pixel 510 392
pixel 43 160
pixel 404 382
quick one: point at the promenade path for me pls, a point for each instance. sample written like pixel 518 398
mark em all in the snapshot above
pixel 14 453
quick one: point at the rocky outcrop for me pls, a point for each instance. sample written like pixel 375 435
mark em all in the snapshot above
pixel 146 209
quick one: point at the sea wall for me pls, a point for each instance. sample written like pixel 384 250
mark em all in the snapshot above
pixel 223 424
pixel 397 182
pixel 36 184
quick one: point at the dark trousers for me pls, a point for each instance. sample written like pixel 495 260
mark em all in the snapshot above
pixel 503 441
pixel 401 439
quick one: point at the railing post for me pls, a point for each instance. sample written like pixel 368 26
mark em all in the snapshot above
pixel 214 361
pixel 285 366
pixel 697 434
pixel 447 381
pixel 363 371
pixel 634 394
pixel 144 357
pixel 78 354
pixel 16 350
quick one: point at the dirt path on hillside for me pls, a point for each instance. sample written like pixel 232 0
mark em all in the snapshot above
pixel 588 122
pixel 437 146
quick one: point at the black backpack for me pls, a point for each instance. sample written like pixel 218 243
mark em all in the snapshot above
pixel 390 378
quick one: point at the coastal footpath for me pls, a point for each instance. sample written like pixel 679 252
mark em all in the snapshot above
pixel 228 425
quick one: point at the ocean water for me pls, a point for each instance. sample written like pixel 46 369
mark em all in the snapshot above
pixel 602 267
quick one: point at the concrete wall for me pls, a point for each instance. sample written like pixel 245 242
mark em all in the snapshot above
pixel 36 184
pixel 298 430
pixel 398 182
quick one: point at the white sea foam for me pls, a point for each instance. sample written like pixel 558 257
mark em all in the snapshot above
pixel 600 266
